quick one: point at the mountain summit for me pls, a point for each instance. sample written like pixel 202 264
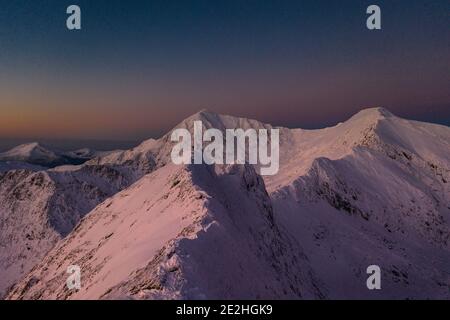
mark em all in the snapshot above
pixel 373 190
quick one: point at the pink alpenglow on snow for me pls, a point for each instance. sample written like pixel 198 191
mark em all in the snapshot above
pixel 231 150
pixel 371 191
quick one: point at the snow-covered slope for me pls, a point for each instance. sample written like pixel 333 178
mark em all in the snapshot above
pixel 37 209
pixel 372 190
pixel 363 210
pixel 376 129
pixel 377 164
pixel 153 154
pixel 37 154
pixel 181 232
pixel 30 152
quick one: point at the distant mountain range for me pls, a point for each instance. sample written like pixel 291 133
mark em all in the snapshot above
pixel 39 155
pixel 374 190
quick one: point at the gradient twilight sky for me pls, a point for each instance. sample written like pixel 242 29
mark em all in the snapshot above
pixel 139 67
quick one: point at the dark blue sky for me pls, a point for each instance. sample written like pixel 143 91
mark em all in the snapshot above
pixel 138 67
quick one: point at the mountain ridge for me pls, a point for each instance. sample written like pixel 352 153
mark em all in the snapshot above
pixel 379 179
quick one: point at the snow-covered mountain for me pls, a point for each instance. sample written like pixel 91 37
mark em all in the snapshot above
pixel 152 154
pixel 37 154
pixel 39 208
pixel 372 190
pixel 181 232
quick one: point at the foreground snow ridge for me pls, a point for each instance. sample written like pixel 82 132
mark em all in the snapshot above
pixel 373 190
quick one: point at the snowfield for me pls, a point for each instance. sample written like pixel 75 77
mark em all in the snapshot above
pixel 372 190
